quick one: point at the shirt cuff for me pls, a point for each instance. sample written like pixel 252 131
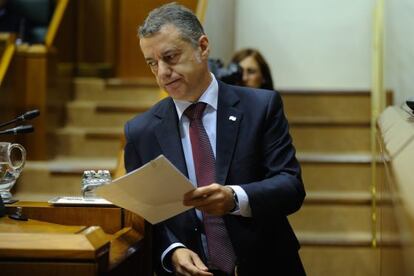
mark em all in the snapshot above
pixel 165 253
pixel 244 206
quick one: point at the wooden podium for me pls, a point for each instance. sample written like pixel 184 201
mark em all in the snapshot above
pixel 71 241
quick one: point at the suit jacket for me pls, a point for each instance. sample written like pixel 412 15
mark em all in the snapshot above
pixel 255 151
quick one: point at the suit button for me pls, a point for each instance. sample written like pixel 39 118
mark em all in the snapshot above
pixel 196 229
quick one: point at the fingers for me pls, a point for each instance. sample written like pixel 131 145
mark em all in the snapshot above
pixel 202 192
pixel 198 263
pixel 203 196
pixel 186 262
pixel 214 199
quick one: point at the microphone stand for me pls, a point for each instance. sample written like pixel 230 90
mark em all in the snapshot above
pixel 26 116
pixel 18 130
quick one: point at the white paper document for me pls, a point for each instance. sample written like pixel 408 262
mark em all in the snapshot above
pixel 154 191
pixel 78 200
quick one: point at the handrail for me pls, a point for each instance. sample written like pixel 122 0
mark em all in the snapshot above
pixel 55 22
pixel 7 58
pixel 377 104
pixel 201 10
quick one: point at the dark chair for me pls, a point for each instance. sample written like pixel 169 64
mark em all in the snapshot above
pixel 36 15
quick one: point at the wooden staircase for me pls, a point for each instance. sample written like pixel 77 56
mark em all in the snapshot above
pixel 90 138
pixel 331 132
pixel 97 115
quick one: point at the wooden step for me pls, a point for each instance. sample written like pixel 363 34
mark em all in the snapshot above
pixel 90 142
pixel 346 172
pixel 340 198
pixel 331 216
pixel 352 259
pixel 347 239
pixel 350 253
pixel 100 90
pixel 102 114
pixel 331 138
pixel 327 106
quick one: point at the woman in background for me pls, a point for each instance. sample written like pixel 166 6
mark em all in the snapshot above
pixel 256 71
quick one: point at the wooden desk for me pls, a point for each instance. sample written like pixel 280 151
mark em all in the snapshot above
pixel 71 241
pixel 396 139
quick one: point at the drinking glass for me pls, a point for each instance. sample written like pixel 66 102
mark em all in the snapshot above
pixel 12 160
pixel 92 180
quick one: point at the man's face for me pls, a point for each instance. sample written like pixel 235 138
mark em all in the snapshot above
pixel 180 69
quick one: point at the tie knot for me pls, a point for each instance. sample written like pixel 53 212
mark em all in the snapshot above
pixel 195 111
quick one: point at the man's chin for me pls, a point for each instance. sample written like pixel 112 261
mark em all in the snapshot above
pixel 175 94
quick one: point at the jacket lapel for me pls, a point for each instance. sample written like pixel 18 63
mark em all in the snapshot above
pixel 168 135
pixel 228 123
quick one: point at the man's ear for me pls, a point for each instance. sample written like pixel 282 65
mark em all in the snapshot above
pixel 204 47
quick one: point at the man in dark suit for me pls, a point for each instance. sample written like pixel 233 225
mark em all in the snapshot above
pixel 233 144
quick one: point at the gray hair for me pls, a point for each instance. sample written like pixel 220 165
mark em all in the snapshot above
pixel 179 16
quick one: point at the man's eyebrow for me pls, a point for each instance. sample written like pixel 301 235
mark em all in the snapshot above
pixel 170 51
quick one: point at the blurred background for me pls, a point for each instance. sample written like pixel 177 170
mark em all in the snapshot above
pixel 337 64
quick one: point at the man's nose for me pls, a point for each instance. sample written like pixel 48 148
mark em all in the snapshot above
pixel 163 69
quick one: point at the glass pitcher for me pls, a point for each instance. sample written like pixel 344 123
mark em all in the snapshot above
pixel 12 160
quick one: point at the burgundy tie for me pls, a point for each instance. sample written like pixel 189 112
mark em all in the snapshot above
pixel 221 254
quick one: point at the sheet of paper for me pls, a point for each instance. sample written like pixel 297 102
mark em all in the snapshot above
pixel 77 200
pixel 154 191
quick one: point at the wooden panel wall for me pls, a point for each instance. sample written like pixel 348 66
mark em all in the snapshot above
pixel 7 101
pixel 30 85
pixel 130 62
pixel 66 36
pixel 32 82
pixel 96 20
pixel 101 36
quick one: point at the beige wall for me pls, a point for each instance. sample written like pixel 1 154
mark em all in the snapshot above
pixel 319 43
pixel 310 44
pixel 219 26
pixel 399 48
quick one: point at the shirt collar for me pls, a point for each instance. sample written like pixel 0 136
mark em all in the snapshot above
pixel 209 97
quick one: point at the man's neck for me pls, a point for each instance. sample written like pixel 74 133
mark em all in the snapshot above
pixel 205 83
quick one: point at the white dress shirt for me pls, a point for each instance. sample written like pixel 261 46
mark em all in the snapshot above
pixel 210 97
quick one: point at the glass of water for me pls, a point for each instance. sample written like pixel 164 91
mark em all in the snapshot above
pixel 12 160
pixel 92 180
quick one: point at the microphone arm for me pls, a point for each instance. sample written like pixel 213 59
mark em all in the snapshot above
pixel 24 117
pixel 18 130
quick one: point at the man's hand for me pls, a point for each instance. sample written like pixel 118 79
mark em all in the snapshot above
pixel 214 199
pixel 186 262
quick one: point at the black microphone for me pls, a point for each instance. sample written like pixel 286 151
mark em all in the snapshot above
pixel 29 115
pixel 18 130
pixel 24 117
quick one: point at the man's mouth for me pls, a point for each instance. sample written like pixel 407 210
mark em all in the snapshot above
pixel 172 83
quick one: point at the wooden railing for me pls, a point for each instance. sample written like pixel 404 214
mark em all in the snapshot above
pixel 55 22
pixel 378 102
pixel 7 55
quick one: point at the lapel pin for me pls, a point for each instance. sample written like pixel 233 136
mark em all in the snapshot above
pixel 232 118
